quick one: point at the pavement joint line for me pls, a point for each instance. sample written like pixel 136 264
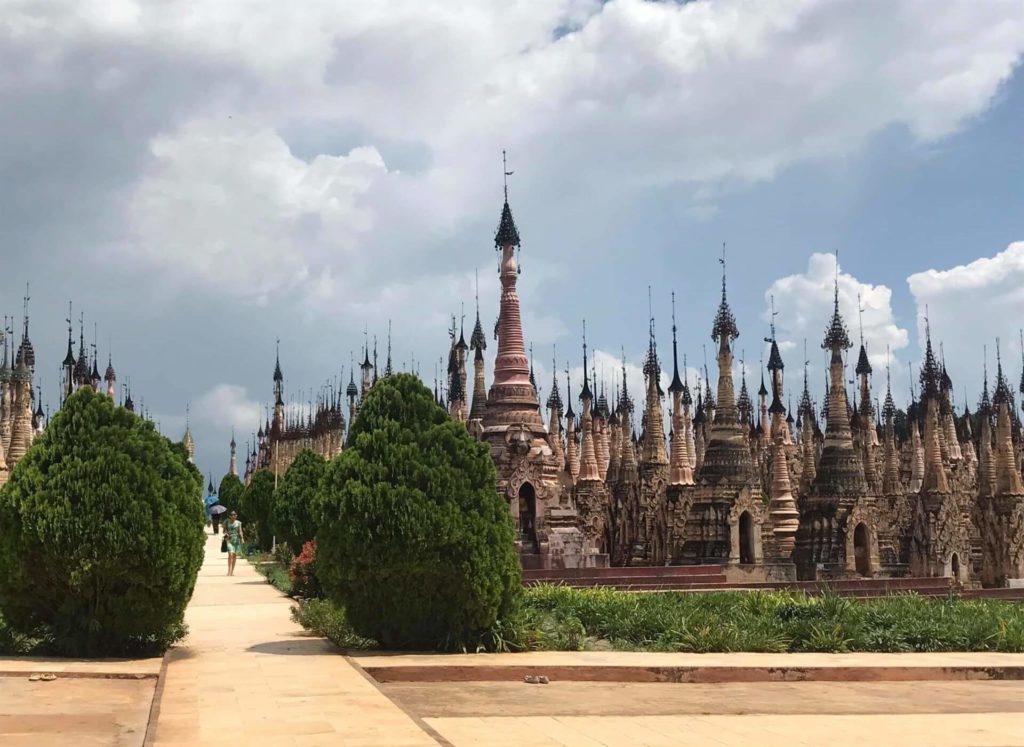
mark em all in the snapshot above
pixel 149 738
pixel 417 719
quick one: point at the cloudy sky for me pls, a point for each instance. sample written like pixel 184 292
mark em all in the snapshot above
pixel 204 178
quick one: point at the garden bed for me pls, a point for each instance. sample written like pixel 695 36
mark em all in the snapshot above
pixel 551 618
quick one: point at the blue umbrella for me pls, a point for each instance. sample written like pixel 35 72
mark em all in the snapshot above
pixel 207 502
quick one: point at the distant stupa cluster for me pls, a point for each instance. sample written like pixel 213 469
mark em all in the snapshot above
pixel 22 416
pixel 853 488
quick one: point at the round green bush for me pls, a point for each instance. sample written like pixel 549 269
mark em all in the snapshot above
pixel 414 540
pixel 296 495
pixel 257 509
pixel 229 494
pixel 101 533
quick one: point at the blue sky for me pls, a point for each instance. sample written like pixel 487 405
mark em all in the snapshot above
pixel 203 183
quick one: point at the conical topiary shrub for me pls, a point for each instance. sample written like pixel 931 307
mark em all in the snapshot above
pixel 414 540
pixel 101 533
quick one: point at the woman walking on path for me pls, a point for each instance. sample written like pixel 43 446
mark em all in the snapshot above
pixel 234 538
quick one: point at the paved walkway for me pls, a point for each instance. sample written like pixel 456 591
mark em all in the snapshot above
pixel 247 675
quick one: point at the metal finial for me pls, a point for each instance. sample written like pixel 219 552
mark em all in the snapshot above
pixel 860 315
pixel 673 317
pixel 506 172
pixel 774 314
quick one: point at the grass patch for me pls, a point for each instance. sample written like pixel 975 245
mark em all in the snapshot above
pixel 13 643
pixel 559 618
pixel 44 642
pixel 273 570
pixel 328 620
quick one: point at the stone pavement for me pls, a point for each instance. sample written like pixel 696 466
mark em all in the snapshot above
pixel 638 666
pixel 99 702
pixel 910 700
pixel 84 712
pixel 761 730
pixel 657 659
pixel 247 675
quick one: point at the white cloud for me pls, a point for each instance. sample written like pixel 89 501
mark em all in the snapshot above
pixel 226 406
pixel 664 92
pixel 227 204
pixel 969 306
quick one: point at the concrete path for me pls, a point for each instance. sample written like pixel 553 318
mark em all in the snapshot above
pixel 92 702
pixel 80 711
pixel 247 675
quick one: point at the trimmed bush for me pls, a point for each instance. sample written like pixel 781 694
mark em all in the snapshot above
pixel 302 573
pixel 296 494
pixel 257 509
pixel 229 494
pixel 414 540
pixel 101 533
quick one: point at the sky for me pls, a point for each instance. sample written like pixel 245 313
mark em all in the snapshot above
pixel 203 179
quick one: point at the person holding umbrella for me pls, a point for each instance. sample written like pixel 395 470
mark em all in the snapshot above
pixel 209 501
pixel 233 537
pixel 215 512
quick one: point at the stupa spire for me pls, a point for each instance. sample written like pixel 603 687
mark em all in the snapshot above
pixel 679 472
pixel 727 455
pixel 588 449
pixel 1007 476
pixel 839 471
pixel 511 400
pixel 572 460
pixel 891 469
pixel 935 479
